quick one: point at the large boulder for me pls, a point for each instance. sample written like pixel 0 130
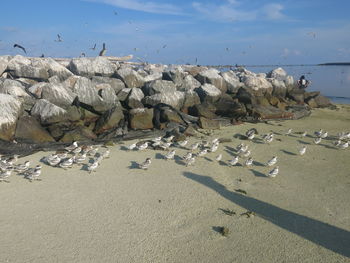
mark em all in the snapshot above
pixel 134 99
pixel 270 112
pixel 130 77
pixel 124 93
pixel 11 109
pixel 116 84
pixel 3 63
pixel 153 76
pixel 12 87
pixel 228 107
pixel 29 129
pixel 175 74
pixel 89 67
pixel 141 119
pixel 57 94
pixel 205 109
pixel 107 93
pixel 189 83
pixel 279 88
pixel 48 112
pixel 212 76
pixel 159 86
pixel 79 133
pixel 36 89
pixel 20 66
pixel 52 67
pixel 208 92
pixel 322 101
pixel 278 74
pixel 297 95
pixel 255 82
pixel 109 120
pixel 175 99
pixel 191 99
pixel 232 82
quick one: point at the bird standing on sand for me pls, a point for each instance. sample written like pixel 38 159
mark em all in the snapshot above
pixel 33 173
pixel 248 162
pixel 19 46
pixel 234 161
pixel 4 174
pixel 344 145
pixel 302 150
pixel 273 172
pixel 131 147
pixel 218 158
pixel 318 133
pixel 142 146
pixel 20 168
pixel 92 166
pixel 304 134
pixel 103 51
pixel 194 146
pixel 273 161
pixel 317 140
pixel 145 164
pixel 72 146
pixel 187 156
pixel 170 155
pixel 66 163
pixel 182 143
pixel 190 161
pixel 202 153
pixel 289 131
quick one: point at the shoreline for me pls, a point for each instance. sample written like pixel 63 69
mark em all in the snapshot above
pixel 170 212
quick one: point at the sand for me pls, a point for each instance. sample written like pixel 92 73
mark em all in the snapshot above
pixel 170 213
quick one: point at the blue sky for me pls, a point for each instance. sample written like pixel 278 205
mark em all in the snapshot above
pixel 181 31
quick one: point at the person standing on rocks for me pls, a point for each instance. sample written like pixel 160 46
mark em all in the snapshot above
pixel 303 83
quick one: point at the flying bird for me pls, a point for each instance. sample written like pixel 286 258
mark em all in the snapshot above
pixel 93 48
pixel 19 46
pixel 103 51
pixel 59 39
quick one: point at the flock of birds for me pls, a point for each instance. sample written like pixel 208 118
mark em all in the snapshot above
pixel 91 157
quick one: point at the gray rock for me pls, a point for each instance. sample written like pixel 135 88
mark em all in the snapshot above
pixel 52 67
pixel 124 93
pixel 130 77
pixel 115 83
pixel 175 74
pixel 189 83
pixel 57 94
pixel 11 109
pixel 29 129
pixel 20 66
pixel 135 97
pixel 322 101
pixel 279 88
pixel 211 76
pixel 12 87
pixel 191 99
pixel 254 82
pixel 152 77
pixel 109 120
pixel 89 67
pixel 289 81
pixel 175 99
pixel 278 74
pixel 36 89
pixel 54 79
pixel 208 92
pixel 141 119
pixel 158 86
pixel 48 112
pixel 232 82
pixel 108 95
pixel 3 63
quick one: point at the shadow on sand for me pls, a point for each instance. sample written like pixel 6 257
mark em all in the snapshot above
pixel 325 235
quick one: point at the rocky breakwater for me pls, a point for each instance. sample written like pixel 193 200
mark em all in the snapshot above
pixel 47 101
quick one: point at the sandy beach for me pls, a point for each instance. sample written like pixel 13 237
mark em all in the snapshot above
pixel 171 213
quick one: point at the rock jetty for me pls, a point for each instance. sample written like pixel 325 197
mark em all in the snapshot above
pixel 46 100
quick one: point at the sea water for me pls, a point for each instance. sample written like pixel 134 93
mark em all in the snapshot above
pixel 332 81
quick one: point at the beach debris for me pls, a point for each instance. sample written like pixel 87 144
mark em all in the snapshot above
pixel 228 212
pixel 273 173
pixel 273 161
pixel 248 214
pixel 241 191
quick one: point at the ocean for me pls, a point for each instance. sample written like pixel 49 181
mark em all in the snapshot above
pixel 332 81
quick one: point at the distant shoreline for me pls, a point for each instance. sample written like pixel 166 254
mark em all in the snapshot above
pixel 335 64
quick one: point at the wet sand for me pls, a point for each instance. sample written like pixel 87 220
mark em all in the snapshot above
pixel 170 213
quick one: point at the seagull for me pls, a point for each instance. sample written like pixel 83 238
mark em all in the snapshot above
pixel 194 146
pixel 142 146
pixel 251 133
pixel 187 156
pixel 79 159
pixel 157 139
pixel 19 46
pixel 77 150
pixel 4 174
pixel 202 153
pixel 131 146
pixel 169 139
pixel 246 154
pixel 302 150
pixel 20 168
pixel 344 145
pixel 337 143
pixel 214 148
pixel 66 163
pixel 13 159
pixel 183 143
pixel 145 164
pixel 324 135
pixel 94 47
pixel 190 161
pixel 59 39
pixel 234 161
pixel 170 155
pixel 105 154
pixel 273 172
pixel 92 166
pixel 103 51
pixel 248 162
pixel 317 140
pixel 218 158
pixel 304 134
pixel 72 146
pixel 273 161
pixel 318 133
pixel 289 131
pixel 62 155
pixel 92 152
pixel 33 173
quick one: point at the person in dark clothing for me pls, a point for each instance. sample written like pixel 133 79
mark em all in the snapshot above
pixel 303 83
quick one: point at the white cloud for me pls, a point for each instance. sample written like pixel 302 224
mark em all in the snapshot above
pixel 273 11
pixel 144 6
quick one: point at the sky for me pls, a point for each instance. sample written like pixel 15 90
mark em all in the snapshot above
pixel 205 32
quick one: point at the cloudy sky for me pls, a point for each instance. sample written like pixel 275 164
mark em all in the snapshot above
pixel 207 32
